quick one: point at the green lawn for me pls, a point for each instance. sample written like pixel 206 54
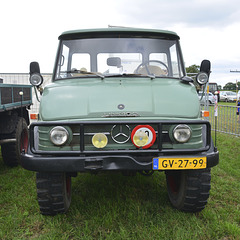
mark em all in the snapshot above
pixel 111 206
pixel 227 103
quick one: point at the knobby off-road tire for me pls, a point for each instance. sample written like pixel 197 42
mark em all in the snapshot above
pixel 11 152
pixel 188 190
pixel 53 192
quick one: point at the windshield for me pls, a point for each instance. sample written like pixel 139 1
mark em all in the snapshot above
pixel 106 57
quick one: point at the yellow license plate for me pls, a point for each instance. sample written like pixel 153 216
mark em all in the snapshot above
pixel 166 163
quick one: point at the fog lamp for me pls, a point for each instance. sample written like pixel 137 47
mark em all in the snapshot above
pixel 182 133
pixel 59 135
pixel 140 138
pixel 143 136
pixel 99 140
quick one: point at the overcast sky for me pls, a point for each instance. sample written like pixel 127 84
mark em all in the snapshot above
pixel 208 29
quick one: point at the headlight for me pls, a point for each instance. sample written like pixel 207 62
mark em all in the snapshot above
pixel 36 79
pixel 202 78
pixel 59 136
pixel 182 133
pixel 99 140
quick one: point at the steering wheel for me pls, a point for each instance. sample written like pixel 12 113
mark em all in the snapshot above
pixel 147 66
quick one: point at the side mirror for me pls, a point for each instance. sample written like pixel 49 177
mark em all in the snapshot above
pixel 205 67
pixel 34 68
pixel 36 78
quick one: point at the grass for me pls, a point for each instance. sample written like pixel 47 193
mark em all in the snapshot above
pixel 227 103
pixel 111 206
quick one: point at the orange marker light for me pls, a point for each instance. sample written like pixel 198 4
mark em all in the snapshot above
pixel 205 113
pixel 34 116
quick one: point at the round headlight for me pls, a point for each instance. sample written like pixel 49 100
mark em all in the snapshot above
pixel 202 78
pixel 182 133
pixel 99 140
pixel 36 79
pixel 59 136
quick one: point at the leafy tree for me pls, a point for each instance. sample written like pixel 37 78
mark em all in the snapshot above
pixel 231 86
pixel 193 69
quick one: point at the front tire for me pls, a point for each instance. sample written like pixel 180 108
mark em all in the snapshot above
pixel 188 190
pixel 53 192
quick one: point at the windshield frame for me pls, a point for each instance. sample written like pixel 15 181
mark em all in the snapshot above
pixel 94 74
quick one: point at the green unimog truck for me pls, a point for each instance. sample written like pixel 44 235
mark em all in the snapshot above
pixel 120 100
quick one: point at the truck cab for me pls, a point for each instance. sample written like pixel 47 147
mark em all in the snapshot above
pixel 120 100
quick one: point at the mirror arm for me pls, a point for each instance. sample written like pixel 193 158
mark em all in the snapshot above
pixel 35 90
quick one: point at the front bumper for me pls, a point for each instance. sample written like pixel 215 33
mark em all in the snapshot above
pixel 131 160
pixel 103 163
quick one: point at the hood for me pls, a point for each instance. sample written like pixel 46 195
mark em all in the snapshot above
pixel 96 98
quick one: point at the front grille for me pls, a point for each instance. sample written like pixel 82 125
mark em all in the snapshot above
pixel 82 133
pixel 123 143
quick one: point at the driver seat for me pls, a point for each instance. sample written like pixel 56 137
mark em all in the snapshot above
pixel 152 69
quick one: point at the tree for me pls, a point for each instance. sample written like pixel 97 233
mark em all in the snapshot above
pixel 193 69
pixel 231 86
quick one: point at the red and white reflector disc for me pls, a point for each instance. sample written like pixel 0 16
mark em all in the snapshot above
pixel 146 129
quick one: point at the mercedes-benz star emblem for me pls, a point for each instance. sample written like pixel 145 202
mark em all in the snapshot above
pixel 121 106
pixel 120 133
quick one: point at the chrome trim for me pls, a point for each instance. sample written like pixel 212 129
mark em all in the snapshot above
pixel 3 141
pixel 91 134
pixel 107 133
pixel 116 133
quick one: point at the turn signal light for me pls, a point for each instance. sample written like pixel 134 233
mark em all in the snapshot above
pixel 34 116
pixel 205 113
pixel 99 140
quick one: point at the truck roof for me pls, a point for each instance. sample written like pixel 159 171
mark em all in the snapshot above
pixel 123 31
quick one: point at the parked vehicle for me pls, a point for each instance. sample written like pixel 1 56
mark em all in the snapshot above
pixel 203 98
pixel 228 96
pixel 213 88
pixel 14 120
pixel 120 100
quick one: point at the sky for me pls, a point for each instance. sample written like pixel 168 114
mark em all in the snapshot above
pixel 208 29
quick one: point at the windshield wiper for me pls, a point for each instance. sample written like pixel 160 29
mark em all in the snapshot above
pixel 87 73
